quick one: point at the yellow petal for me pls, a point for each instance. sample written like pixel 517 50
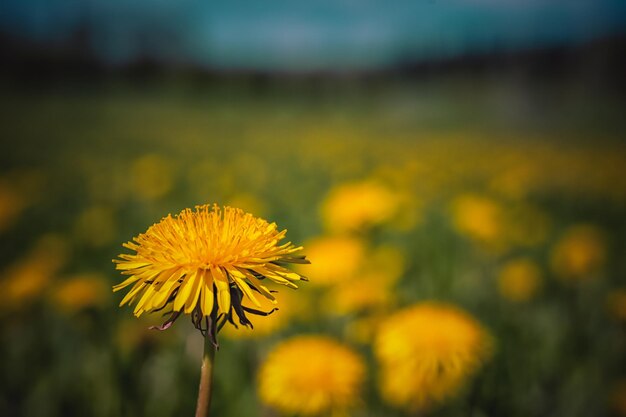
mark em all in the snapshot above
pixel 163 293
pixel 274 277
pixel 284 272
pixel 126 283
pixel 223 289
pixel 144 300
pixel 184 291
pixel 257 284
pixel 195 293
pixel 131 294
pixel 130 265
pixel 206 298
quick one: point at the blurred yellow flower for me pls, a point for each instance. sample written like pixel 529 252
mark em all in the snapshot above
pixel 311 375
pixel 427 352
pixel 28 278
pixel 519 280
pixel 336 259
pixel 580 253
pixel 18 189
pixel 616 303
pixel 187 261
pixel 371 286
pixel 356 206
pixel 477 217
pixel 367 292
pixel 152 176
pixel 80 292
pixel 11 204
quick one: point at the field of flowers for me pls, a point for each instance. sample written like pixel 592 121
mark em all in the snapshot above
pixel 460 265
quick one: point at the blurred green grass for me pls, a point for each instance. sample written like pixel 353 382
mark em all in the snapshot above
pixel 482 176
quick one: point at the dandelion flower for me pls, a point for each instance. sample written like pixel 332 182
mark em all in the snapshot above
pixel 203 263
pixel 337 258
pixel 18 190
pixel 358 206
pixel 369 288
pixel 29 277
pixel 427 352
pixel 311 375
pixel 580 253
pixel 80 292
pixel 519 280
pixel 368 292
pixel 11 204
pixel 478 217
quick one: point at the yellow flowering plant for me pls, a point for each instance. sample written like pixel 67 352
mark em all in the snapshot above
pixel 204 263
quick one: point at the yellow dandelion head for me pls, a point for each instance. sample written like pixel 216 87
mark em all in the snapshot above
pixel 18 190
pixel 29 277
pixel 477 217
pixel 426 353
pixel 519 280
pixel 368 292
pixel 11 204
pixel 580 253
pixel 337 259
pixel 203 263
pixel 311 375
pixel 356 206
pixel 80 292
pixel 370 286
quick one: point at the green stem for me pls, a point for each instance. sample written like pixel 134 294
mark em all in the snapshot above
pixel 206 379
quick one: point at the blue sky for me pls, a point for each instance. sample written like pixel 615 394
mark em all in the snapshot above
pixel 298 34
